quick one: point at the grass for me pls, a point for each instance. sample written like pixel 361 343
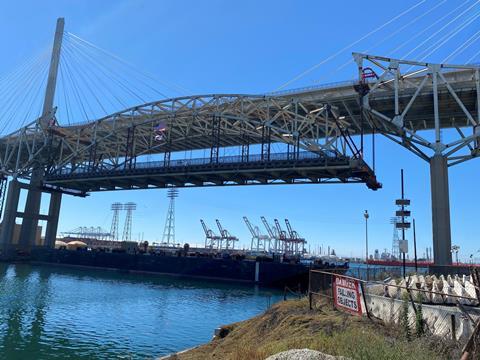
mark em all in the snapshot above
pixel 291 325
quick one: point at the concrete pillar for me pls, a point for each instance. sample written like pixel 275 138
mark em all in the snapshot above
pixel 442 242
pixel 53 215
pixel 32 210
pixel 9 216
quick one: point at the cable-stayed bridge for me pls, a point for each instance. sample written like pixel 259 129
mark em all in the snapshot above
pixel 312 135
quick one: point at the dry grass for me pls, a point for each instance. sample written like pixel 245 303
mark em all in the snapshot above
pixel 291 325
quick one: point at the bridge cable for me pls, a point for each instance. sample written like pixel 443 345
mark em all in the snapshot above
pixel 75 89
pixel 83 75
pixel 413 21
pixel 18 100
pixel 437 45
pixel 106 86
pixel 148 75
pixel 312 68
pixel 418 34
pixel 15 93
pixel 470 41
pixel 118 79
pixel 439 30
pixel 474 56
pixel 102 90
pixel 128 84
pixel 65 96
pixel 80 85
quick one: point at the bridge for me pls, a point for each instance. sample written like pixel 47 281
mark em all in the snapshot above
pixel 319 131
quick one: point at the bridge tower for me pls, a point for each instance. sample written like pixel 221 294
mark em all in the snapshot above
pixel 31 215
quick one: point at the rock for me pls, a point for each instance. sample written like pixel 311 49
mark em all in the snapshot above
pixel 304 354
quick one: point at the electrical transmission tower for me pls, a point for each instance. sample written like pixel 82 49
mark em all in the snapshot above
pixel 127 230
pixel 116 207
pixel 169 230
pixel 396 239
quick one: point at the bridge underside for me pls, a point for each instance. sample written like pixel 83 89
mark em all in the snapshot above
pixel 227 171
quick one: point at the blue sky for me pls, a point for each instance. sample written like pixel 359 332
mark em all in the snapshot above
pixel 254 47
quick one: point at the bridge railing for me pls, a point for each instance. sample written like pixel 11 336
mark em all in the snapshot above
pixel 329 156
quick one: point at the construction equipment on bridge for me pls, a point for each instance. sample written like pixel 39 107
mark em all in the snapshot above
pixel 296 242
pixel 168 238
pixel 260 242
pixel 89 232
pixel 127 230
pixel 228 240
pixel 116 208
pixel 212 241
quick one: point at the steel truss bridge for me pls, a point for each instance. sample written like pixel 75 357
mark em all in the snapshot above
pixel 320 131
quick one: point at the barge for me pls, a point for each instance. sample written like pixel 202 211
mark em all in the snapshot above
pixel 276 271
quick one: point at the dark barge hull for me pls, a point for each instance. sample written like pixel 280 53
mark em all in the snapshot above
pixel 267 273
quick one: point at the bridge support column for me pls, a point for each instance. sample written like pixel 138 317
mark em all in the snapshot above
pixel 9 216
pixel 442 242
pixel 32 211
pixel 52 224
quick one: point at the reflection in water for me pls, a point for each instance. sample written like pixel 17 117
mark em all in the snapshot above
pixel 62 313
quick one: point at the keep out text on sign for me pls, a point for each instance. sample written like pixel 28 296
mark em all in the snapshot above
pixel 346 295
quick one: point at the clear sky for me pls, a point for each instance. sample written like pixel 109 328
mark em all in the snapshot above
pixel 253 47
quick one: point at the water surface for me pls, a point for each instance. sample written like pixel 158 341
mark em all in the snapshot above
pixel 63 313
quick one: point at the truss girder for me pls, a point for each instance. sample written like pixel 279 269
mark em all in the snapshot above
pixel 188 124
pixel 409 97
pixel 299 119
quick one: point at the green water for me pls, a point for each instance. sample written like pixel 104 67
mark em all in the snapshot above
pixel 62 313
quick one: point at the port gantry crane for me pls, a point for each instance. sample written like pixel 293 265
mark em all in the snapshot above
pixel 226 236
pixel 212 241
pixel 284 240
pixel 272 235
pixel 297 241
pixel 259 242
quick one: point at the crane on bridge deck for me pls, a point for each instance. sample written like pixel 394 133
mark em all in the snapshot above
pixel 212 240
pixel 228 238
pixel 260 242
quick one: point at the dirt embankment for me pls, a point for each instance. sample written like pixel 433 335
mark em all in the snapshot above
pixel 291 325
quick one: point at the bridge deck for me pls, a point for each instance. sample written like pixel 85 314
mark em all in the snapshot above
pixel 231 170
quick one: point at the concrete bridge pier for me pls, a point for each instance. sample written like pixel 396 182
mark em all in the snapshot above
pixel 53 216
pixel 32 210
pixel 9 216
pixel 442 242
pixel 30 218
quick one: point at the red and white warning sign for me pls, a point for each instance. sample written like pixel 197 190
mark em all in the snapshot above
pixel 346 294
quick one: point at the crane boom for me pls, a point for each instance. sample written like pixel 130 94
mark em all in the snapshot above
pixel 205 228
pixel 269 229
pixel 220 228
pixel 289 228
pixel 282 234
pixel 250 227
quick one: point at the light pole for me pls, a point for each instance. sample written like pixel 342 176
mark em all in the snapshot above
pixel 455 249
pixel 366 216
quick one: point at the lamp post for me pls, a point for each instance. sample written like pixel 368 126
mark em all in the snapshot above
pixel 366 216
pixel 455 249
